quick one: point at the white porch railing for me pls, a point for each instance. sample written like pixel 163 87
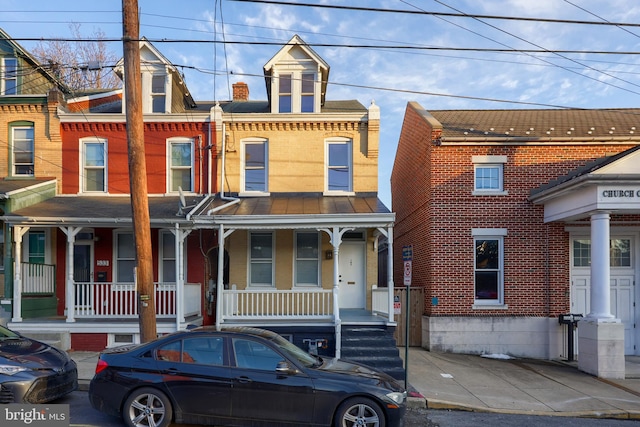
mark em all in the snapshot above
pixel 272 304
pixel 38 278
pixel 109 300
pixel 380 300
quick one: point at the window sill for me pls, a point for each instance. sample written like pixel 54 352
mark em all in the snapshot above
pixel 253 194
pixel 489 193
pixel 490 307
pixel 338 193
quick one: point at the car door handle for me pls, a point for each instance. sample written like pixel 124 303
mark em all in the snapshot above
pixel 173 371
pixel 244 380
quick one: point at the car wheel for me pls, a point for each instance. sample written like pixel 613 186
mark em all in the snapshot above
pixel 359 411
pixel 147 407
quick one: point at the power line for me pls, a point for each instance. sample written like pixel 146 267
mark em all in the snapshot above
pixel 448 14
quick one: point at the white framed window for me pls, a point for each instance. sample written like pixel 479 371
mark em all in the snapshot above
pixel 261 258
pixel 285 96
pixel 158 93
pixel 339 173
pixel 167 255
pixel 180 170
pixel 488 175
pixel 125 256
pixel 22 149
pixel 307 258
pixel 94 165
pixel 307 101
pixel 488 247
pixel 9 74
pixel 255 161
pixel 620 252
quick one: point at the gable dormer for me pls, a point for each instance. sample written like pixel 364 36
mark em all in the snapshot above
pixel 296 79
pixel 21 74
pixel 163 88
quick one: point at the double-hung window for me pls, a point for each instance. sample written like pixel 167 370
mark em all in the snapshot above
pixel 255 163
pixel 261 258
pixel 488 174
pixel 125 257
pixel 167 257
pixel 339 166
pixel 22 149
pixel 285 93
pixel 488 266
pixel 308 90
pixel 307 267
pixel 9 74
pixel 94 163
pixel 158 94
pixel 180 164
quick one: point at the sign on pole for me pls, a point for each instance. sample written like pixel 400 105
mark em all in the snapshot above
pixel 407 259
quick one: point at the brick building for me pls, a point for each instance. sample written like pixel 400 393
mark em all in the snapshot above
pixel 501 208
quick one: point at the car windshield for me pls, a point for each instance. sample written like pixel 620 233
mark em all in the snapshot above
pixel 7 334
pixel 296 352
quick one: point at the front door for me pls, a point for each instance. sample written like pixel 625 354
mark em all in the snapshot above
pixel 352 275
pixel 622 278
pixel 83 276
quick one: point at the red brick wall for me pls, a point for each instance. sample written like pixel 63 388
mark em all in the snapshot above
pixel 432 189
pixel 88 342
pixel 156 135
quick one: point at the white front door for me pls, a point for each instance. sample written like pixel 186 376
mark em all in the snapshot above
pixel 622 294
pixel 352 275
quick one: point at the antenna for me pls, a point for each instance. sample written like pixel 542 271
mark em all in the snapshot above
pixel 182 206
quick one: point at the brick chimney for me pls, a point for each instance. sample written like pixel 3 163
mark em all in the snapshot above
pixel 240 91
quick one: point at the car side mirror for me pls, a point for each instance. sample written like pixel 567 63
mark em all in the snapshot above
pixel 284 368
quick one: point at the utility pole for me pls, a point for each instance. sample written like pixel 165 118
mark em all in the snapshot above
pixel 138 170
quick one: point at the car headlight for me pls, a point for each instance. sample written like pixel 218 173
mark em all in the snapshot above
pixel 397 397
pixel 11 369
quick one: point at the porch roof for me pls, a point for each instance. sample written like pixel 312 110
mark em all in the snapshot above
pixel 98 211
pixel 295 210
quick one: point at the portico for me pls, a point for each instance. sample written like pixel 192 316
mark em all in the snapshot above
pixel 609 187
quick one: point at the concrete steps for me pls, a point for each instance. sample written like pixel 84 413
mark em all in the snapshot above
pixel 373 346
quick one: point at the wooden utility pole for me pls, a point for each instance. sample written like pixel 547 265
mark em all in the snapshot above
pixel 138 170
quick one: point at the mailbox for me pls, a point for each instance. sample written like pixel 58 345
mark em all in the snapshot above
pixel 571 320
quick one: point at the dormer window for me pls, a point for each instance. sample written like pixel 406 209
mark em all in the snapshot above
pixel 9 76
pixel 296 79
pixel 308 96
pixel 285 93
pixel 158 94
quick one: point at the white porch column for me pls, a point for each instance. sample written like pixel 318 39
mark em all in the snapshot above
pixel 600 270
pixel 390 284
pixel 180 236
pixel 222 235
pixel 18 233
pixel 335 235
pixel 70 289
pixel 600 335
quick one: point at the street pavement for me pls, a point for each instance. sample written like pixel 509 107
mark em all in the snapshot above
pixel 486 384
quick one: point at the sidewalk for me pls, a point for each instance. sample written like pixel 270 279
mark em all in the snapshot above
pixel 522 386
pixel 518 386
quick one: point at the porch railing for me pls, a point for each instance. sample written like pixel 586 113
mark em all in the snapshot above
pixel 273 304
pixel 380 300
pixel 38 279
pixel 109 299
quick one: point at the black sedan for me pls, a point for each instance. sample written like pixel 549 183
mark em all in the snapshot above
pixel 33 372
pixel 240 376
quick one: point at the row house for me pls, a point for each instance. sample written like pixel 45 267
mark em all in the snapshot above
pixel 523 224
pixel 30 160
pixel 263 213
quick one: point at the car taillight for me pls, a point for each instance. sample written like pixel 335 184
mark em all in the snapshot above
pixel 101 366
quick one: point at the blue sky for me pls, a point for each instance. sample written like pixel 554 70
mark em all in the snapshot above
pixel 437 79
